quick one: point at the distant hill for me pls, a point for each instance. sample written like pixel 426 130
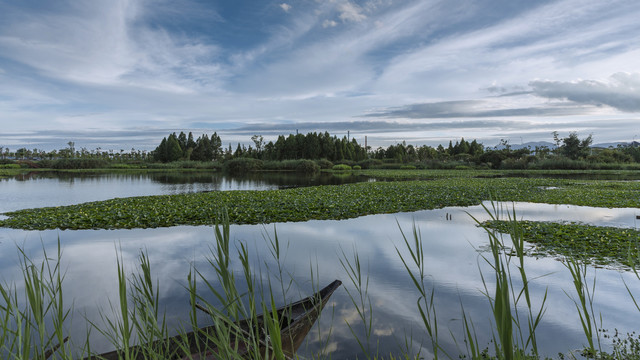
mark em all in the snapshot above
pixel 615 145
pixel 531 145
pixel 551 145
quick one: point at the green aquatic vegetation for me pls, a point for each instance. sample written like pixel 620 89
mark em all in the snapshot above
pixel 320 202
pixel 416 174
pixel 341 167
pixel 244 207
pixel 591 244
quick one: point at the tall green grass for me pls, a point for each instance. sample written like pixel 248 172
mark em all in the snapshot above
pixel 33 321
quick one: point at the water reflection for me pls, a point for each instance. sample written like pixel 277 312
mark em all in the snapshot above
pixel 40 189
pixel 314 249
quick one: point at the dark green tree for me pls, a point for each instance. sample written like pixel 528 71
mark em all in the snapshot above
pixel 574 148
pixel 160 153
pixel 215 147
pixel 174 151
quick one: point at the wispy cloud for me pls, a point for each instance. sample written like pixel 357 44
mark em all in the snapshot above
pixel 473 109
pixel 621 92
pixel 182 64
pixel 372 127
pixel 350 12
pixel 106 43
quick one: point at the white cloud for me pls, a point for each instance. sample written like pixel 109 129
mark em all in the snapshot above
pixel 329 23
pixel 562 40
pixel 350 12
pixel 106 43
pixel 286 7
pixel 105 63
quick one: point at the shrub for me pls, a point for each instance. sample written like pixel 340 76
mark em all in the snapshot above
pixel 124 166
pixel 407 167
pixel 560 163
pixel 242 165
pixel 212 165
pixel 9 166
pixel 390 166
pixel 346 162
pixel 324 164
pixel 78 164
pixel 370 163
pixel 307 166
pixel 357 167
pixel 290 165
pixel 341 167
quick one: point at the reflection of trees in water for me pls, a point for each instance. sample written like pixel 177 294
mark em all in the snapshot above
pixel 284 180
pixel 174 178
pixel 207 180
pixel 72 177
pixel 256 180
pixel 33 175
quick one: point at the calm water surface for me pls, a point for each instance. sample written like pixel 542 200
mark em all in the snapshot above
pixel 40 189
pixel 453 256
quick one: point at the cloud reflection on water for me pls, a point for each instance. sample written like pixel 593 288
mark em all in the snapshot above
pixel 451 255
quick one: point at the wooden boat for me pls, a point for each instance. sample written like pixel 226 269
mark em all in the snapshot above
pixel 244 337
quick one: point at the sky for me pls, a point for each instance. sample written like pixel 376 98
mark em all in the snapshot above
pixel 122 74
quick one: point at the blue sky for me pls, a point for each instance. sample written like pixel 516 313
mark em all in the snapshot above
pixel 118 74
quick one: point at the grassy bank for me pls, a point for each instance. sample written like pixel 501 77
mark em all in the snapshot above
pixel 321 202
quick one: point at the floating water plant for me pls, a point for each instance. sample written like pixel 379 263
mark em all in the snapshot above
pixel 592 244
pixel 320 202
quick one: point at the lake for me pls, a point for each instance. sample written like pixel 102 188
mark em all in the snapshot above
pixel 453 249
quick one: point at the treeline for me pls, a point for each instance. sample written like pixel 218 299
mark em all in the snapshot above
pixel 72 153
pixel 312 146
pixel 569 152
pixel 183 147
pixel 288 152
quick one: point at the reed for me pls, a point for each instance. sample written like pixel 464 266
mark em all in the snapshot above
pixel 415 267
pixel 513 341
pixel 33 321
pixel 360 299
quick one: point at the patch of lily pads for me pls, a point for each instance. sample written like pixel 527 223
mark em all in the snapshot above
pixel 320 202
pixel 604 246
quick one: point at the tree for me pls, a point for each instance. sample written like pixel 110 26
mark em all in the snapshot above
pixel 72 148
pixel 215 147
pixel 574 148
pixel 182 140
pixel 556 139
pixel 258 140
pixel 475 148
pixel 160 153
pixel 202 150
pixel 174 151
